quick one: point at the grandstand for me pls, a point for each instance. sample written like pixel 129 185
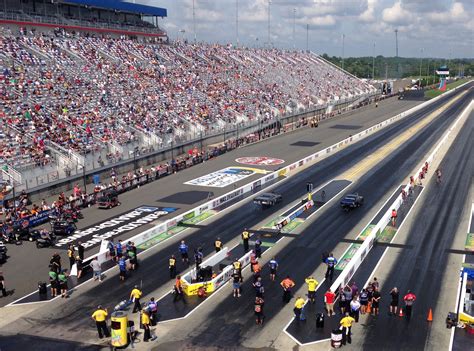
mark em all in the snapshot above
pixel 79 97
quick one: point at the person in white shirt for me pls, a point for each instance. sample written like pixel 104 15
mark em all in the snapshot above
pixel 355 307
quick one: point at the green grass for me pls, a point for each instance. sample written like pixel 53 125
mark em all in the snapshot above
pixel 435 92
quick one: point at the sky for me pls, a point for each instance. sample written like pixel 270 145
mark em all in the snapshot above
pixel 426 28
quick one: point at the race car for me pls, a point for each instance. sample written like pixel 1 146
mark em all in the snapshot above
pixel 267 199
pixel 108 200
pixel 352 201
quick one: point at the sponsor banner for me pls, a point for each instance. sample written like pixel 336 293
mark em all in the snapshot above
pixel 93 235
pixel 260 161
pixel 225 198
pixel 223 177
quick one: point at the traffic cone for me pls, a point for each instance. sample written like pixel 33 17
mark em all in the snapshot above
pixel 430 316
pixel 400 314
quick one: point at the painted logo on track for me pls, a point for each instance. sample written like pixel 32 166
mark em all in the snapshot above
pixel 260 161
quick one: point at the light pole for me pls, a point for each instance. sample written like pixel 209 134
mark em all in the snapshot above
pixel 237 21
pixel 307 37
pixel 194 23
pixel 343 37
pixel 373 63
pixel 269 3
pixel 294 28
pixel 421 61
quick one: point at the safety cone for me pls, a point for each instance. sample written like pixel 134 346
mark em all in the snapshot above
pixel 430 316
pixel 400 314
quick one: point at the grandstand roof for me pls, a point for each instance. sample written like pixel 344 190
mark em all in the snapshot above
pixel 123 6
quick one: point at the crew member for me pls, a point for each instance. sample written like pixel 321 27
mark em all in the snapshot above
pixel 394 217
pixel 119 249
pixel 312 284
pixel 145 319
pixel 331 263
pixel 100 317
pixel 80 250
pixel 258 308
pixel 409 299
pixel 299 309
pixel 111 247
pixel 183 250
pixel 218 245
pixel 70 255
pixel 153 308
pixel 135 297
pixel 329 298
pixel 346 324
pixel 198 256
pixel 287 284
pixel 376 301
pixel 172 267
pixel 178 289
pixel 258 247
pixel 258 286
pixel 245 239
pixel 394 301
pixel 238 267
pixel 355 309
pixel 53 281
pixel 236 283
pixel 273 264
pixel 62 281
pixel 123 268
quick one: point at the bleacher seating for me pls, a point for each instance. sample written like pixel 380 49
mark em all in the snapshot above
pixel 84 93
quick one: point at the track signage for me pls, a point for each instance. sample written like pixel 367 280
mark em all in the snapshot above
pixel 124 223
pixel 260 161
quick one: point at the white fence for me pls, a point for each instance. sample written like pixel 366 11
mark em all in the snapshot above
pixel 345 276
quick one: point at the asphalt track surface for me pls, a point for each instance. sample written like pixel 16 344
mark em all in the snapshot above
pixel 431 235
pixel 303 255
pixel 27 265
pixel 59 319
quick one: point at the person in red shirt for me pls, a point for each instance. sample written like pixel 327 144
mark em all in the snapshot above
pixel 394 217
pixel 409 301
pixel 329 298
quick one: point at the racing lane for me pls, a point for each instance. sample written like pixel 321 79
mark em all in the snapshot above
pixel 431 236
pixel 74 314
pixel 32 262
pixel 301 256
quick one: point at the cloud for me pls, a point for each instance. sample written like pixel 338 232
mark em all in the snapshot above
pixel 369 14
pixel 440 25
pixel 397 14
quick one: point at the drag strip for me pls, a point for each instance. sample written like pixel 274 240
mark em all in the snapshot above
pixel 431 234
pixel 301 256
pixel 153 271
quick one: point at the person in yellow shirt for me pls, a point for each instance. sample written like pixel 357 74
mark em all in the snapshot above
pixel 218 245
pixel 346 324
pixel 172 267
pixel 145 319
pixel 100 317
pixel 245 240
pixel 312 284
pixel 135 297
pixel 299 309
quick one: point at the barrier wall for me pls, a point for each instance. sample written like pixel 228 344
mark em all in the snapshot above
pixel 345 276
pixel 288 170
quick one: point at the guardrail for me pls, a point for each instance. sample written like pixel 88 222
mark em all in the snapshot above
pixel 288 170
pixel 348 272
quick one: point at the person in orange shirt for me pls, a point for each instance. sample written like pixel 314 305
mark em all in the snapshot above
pixel 178 289
pixel 287 284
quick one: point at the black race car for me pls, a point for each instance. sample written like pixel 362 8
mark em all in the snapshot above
pixel 352 201
pixel 267 199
